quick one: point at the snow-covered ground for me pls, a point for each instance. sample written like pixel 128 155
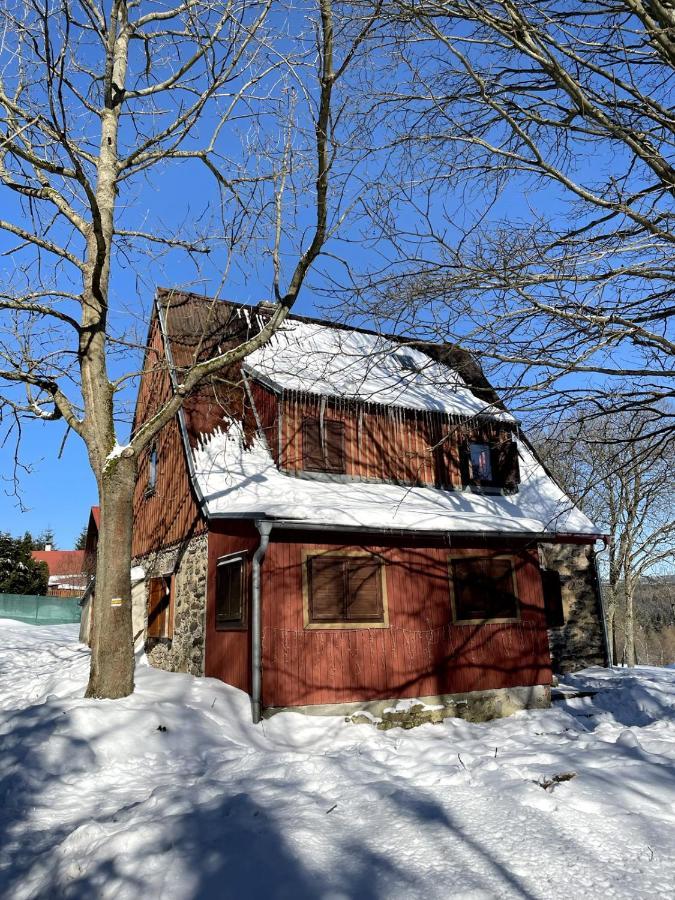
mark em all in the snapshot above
pixel 172 793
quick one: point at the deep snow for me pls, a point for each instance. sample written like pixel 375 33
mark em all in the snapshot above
pixel 172 793
pixel 244 481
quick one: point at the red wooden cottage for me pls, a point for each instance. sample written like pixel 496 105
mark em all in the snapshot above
pixel 351 519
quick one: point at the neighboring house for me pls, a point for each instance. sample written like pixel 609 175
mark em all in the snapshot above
pixel 66 571
pixel 348 518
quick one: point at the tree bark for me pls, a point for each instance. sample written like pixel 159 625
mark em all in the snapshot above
pixel 112 659
pixel 629 627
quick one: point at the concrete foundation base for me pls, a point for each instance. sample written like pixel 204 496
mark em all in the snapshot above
pixel 474 706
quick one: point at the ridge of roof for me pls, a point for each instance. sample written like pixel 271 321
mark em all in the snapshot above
pixel 453 355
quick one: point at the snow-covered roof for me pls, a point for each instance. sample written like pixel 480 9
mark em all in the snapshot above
pixel 239 481
pixel 320 359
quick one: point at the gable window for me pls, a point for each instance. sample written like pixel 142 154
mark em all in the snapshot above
pixel 491 464
pixel 230 598
pixel 152 470
pixel 160 607
pixel 481 464
pixel 323 449
pixel 345 591
pixel 484 589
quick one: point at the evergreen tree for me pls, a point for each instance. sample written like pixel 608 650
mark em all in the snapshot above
pixel 19 572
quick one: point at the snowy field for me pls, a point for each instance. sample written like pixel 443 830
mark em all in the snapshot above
pixel 172 793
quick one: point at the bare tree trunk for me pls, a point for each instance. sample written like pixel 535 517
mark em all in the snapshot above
pixel 610 614
pixel 629 626
pixel 112 666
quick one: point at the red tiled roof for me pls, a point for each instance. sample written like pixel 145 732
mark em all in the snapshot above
pixel 96 515
pixel 61 562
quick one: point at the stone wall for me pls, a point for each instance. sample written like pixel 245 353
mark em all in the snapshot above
pixel 188 562
pixel 580 642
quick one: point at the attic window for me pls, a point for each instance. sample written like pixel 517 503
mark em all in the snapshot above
pixel 323 449
pixel 491 465
pixel 408 362
pixel 481 464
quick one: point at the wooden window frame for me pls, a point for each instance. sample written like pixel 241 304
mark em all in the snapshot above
pixel 484 445
pixel 241 624
pixel 492 621
pixel 315 421
pixel 345 625
pixel 168 622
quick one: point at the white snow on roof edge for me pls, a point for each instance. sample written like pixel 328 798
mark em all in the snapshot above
pixel 237 481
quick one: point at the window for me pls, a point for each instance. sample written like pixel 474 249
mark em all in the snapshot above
pixel 483 589
pixel 152 470
pixel 493 464
pixel 160 607
pixel 323 451
pixel 345 591
pixel 231 593
pixel 481 464
pixel 553 605
pixel 407 361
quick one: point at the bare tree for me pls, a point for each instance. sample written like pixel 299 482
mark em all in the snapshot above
pixel 533 216
pixel 96 101
pixel 621 475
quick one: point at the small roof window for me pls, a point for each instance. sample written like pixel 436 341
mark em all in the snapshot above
pixel 408 362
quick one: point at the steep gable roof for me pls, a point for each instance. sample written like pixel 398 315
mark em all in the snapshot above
pixel 234 473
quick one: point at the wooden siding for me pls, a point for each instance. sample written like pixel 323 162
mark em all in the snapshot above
pixel 170 513
pixel 383 444
pixel 421 653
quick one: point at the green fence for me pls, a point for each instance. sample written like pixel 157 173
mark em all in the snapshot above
pixel 40 610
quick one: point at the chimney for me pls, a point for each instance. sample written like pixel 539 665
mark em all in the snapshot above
pixel 48 547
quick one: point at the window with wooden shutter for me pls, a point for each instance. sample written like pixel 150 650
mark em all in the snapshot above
pixel 483 589
pixel 506 468
pixel 490 464
pixel 230 599
pixel 345 590
pixel 160 607
pixel 553 605
pixel 323 451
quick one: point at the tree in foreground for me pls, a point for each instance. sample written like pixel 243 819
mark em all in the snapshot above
pixel 103 107
pixel 533 216
pixel 616 467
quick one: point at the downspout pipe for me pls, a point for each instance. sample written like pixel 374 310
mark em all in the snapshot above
pixel 264 530
pixel 598 584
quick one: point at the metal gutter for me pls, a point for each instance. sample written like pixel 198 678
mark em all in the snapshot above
pixel 264 529
pixel 297 525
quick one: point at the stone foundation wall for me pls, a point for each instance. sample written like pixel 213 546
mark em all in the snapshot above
pixel 188 562
pixel 473 706
pixel 581 640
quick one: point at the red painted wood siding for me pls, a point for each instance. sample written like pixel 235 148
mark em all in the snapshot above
pixel 171 513
pixel 410 446
pixel 421 653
